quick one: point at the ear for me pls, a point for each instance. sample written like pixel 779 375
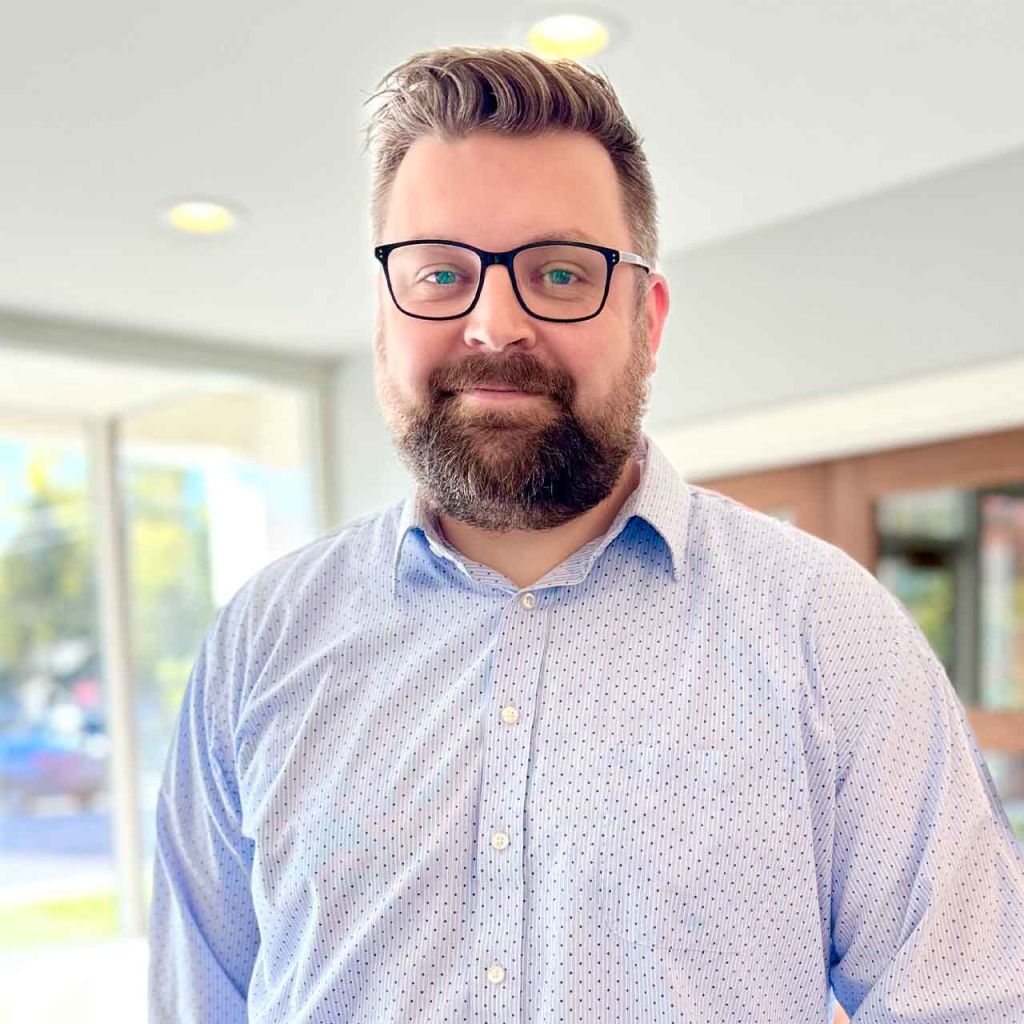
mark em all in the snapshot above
pixel 656 312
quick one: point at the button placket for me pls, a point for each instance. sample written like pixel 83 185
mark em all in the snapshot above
pixel 516 674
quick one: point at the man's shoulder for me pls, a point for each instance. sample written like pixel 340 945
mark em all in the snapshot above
pixel 747 542
pixel 740 533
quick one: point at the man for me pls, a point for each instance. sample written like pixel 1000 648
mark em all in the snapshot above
pixel 561 737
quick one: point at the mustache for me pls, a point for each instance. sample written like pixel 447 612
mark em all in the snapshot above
pixel 517 373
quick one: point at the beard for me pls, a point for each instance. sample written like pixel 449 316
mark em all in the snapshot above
pixel 528 464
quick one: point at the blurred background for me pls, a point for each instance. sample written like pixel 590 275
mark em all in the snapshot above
pixel 186 382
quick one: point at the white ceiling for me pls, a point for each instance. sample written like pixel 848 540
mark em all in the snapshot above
pixel 752 112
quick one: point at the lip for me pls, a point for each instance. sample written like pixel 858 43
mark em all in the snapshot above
pixel 499 394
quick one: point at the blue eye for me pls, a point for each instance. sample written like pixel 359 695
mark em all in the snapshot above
pixel 443 276
pixel 561 276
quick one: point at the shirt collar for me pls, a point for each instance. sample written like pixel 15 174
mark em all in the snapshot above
pixel 661 498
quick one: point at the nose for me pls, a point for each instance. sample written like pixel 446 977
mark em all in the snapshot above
pixel 497 319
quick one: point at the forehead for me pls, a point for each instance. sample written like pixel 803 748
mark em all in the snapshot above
pixel 499 191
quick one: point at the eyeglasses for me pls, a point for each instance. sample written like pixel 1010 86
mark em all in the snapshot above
pixel 564 282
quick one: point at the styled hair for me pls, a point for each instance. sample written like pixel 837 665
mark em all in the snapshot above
pixel 457 90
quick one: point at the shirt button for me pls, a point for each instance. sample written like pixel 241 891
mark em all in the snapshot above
pixel 496 974
pixel 510 714
pixel 500 840
pixel 528 600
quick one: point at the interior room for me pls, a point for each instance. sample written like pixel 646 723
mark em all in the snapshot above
pixel 187 372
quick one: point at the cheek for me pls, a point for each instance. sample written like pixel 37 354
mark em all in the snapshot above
pixel 596 382
pixel 585 372
pixel 411 358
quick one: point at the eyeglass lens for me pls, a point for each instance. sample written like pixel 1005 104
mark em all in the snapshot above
pixel 557 281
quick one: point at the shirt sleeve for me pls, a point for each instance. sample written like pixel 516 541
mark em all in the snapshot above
pixel 927 901
pixel 203 935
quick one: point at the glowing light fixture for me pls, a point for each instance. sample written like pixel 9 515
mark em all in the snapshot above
pixel 200 217
pixel 567 35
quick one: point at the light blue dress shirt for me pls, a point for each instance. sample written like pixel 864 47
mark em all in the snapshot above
pixel 704 770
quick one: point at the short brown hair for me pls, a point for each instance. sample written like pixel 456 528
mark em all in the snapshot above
pixel 454 91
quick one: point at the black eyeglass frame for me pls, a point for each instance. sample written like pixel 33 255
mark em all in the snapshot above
pixel 490 259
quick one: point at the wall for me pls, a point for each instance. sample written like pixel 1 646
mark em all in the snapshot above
pixel 925 277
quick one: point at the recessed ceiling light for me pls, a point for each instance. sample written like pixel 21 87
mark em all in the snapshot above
pixel 567 35
pixel 201 217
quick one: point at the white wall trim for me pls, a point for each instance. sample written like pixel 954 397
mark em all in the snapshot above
pixel 969 400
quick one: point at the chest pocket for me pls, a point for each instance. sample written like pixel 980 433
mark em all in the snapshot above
pixel 691 844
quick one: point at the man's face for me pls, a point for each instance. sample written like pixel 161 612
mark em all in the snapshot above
pixel 535 461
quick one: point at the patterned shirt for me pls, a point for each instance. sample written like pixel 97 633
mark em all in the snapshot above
pixel 706 769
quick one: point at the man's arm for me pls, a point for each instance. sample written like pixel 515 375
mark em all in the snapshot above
pixel 203 935
pixel 927 876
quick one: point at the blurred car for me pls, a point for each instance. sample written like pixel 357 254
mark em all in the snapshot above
pixel 43 762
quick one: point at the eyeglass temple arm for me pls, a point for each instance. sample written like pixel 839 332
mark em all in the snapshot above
pixel 631 257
